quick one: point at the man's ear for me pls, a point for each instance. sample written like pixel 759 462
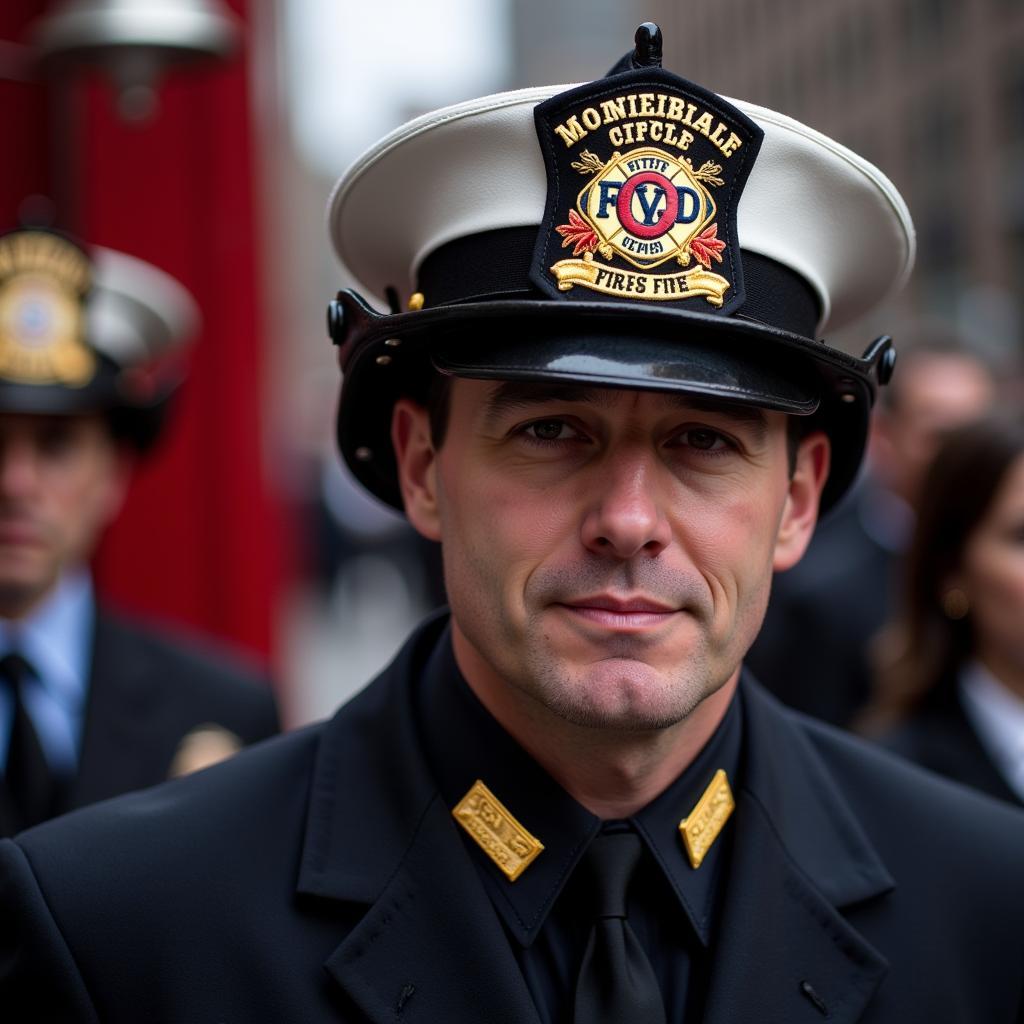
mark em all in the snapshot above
pixel 417 466
pixel 801 509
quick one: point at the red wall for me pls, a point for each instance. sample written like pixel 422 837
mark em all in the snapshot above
pixel 201 538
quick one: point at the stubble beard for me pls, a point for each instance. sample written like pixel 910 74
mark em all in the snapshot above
pixel 667 697
pixel 632 685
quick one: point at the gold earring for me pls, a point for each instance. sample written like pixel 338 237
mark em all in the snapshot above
pixel 955 603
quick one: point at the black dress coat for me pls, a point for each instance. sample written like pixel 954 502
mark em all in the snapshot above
pixel 319 878
pixel 147 692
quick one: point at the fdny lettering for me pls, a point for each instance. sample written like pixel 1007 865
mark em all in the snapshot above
pixel 649 117
pixel 685 202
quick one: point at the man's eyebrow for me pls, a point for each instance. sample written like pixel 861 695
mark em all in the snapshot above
pixel 513 395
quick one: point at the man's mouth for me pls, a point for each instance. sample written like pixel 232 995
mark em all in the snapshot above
pixel 19 532
pixel 619 612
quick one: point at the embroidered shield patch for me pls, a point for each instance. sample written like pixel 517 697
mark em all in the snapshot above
pixel 645 171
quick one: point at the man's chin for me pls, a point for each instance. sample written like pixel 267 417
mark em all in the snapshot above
pixel 628 694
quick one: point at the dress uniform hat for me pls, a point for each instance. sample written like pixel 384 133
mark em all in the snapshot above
pixel 638 231
pixel 84 332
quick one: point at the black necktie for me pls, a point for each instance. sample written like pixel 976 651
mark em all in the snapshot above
pixel 616 983
pixel 29 781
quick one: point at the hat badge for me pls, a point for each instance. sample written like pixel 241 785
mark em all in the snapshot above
pixel 645 171
pixel 43 280
pixel 647 207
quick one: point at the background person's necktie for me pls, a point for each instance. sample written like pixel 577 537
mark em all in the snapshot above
pixel 30 783
pixel 616 983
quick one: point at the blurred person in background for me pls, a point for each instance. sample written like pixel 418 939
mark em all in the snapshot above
pixel 90 706
pixel 951 677
pixel 824 613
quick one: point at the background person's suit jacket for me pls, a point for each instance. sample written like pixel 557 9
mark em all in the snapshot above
pixel 147 691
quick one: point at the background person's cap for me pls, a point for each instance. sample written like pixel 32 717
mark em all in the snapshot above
pixel 637 231
pixel 89 332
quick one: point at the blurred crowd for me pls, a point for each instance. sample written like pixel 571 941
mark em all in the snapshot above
pixel 905 619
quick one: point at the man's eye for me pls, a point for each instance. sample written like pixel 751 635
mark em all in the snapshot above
pixel 704 439
pixel 550 430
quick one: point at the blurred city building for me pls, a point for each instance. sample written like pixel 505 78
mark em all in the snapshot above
pixel 932 91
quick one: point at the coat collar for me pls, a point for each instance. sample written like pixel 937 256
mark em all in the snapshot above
pixel 430 946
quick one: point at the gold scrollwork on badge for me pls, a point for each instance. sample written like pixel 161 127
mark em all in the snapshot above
pixel 496 831
pixel 628 283
pixel 702 826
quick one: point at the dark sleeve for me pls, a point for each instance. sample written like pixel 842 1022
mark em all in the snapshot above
pixel 39 980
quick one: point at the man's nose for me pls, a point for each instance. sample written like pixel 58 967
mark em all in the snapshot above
pixel 627 516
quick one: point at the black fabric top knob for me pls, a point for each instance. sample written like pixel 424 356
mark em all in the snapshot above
pixel 648 46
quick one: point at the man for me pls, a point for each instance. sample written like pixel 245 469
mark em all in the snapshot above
pixel 90 706
pixel 563 803
pixel 826 612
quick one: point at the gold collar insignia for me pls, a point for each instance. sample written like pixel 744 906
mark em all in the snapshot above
pixel 702 826
pixel 496 831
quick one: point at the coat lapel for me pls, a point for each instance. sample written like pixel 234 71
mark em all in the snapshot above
pixel 429 945
pixel 118 749
pixel 786 953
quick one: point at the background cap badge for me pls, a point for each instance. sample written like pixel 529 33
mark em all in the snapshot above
pixel 89 331
pixel 43 280
pixel 645 171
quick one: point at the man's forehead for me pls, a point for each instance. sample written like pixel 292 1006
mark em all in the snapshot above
pixel 509 396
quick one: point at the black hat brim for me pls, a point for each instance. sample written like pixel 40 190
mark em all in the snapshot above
pixel 137 423
pixel 602 344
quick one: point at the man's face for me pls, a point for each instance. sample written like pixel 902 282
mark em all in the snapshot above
pixel 608 553
pixel 939 392
pixel 62 479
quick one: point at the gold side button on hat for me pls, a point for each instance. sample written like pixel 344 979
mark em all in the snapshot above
pixel 701 827
pixel 496 831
